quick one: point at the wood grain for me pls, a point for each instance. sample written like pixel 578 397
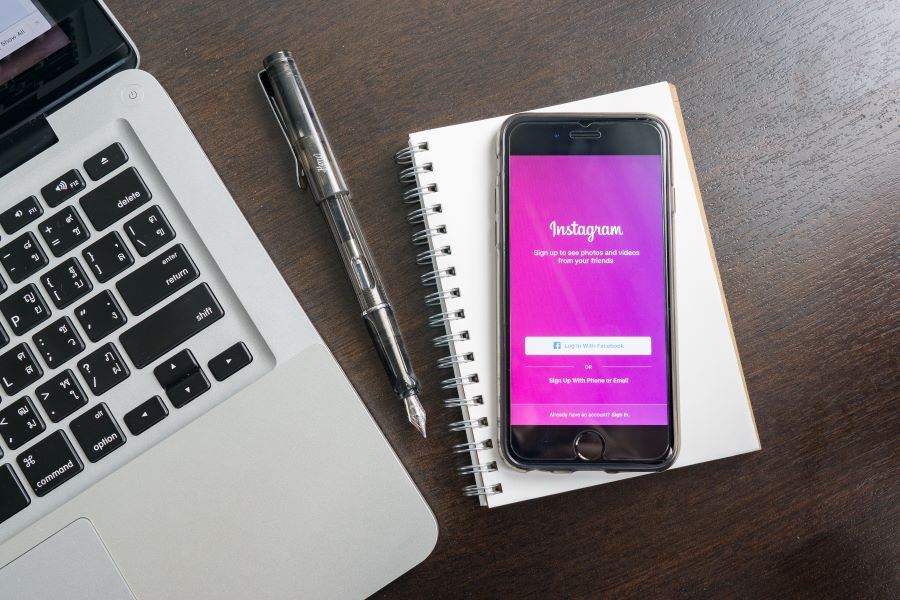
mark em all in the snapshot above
pixel 793 113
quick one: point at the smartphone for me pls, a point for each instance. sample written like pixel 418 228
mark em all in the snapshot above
pixel 587 310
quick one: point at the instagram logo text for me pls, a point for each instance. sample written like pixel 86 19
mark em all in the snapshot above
pixel 588 231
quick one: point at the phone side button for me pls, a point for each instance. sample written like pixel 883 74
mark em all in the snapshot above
pixel 496 235
pixel 672 196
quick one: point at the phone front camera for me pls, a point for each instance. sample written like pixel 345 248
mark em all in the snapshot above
pixel 556 135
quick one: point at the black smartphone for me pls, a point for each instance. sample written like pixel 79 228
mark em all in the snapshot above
pixel 587 310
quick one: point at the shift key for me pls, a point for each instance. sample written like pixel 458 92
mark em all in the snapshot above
pixel 155 281
pixel 177 321
pixel 115 198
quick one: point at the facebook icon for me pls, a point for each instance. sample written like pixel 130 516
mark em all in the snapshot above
pixel 557 345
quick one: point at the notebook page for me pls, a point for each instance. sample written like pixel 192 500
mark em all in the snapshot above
pixel 716 419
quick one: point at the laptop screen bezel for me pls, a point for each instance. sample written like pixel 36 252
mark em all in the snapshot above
pixel 97 48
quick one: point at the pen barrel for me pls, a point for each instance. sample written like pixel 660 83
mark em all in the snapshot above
pixel 364 276
pixel 318 164
pixel 383 328
pixel 317 167
pixel 373 300
pixel 303 128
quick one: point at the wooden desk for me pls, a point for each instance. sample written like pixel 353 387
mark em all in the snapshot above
pixel 793 113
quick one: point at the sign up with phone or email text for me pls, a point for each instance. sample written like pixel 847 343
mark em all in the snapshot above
pixel 587 291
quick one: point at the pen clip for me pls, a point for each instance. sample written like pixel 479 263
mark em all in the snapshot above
pixel 267 90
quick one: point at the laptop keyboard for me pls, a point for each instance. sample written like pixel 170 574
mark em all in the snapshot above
pixel 101 250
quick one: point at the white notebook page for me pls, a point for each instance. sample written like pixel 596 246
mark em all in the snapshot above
pixel 716 419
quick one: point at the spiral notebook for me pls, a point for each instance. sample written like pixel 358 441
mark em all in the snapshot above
pixel 451 172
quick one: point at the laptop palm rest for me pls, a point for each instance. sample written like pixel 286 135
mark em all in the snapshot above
pixel 286 490
pixel 71 564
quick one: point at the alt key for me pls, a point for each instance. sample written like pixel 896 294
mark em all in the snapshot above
pixel 97 432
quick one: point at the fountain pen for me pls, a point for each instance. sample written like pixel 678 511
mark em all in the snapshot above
pixel 318 170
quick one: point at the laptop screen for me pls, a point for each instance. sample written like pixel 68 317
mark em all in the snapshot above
pixel 51 50
pixel 26 37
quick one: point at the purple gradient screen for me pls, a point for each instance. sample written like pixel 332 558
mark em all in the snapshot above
pixel 587 307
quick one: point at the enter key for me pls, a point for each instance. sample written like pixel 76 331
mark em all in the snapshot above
pixel 155 281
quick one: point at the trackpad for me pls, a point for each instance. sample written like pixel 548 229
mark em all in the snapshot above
pixel 73 564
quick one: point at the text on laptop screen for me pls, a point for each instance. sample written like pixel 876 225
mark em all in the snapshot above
pixel 27 36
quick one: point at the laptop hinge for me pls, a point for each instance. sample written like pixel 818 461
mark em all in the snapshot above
pixel 25 142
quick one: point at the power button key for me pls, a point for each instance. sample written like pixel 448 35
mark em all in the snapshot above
pixel 132 94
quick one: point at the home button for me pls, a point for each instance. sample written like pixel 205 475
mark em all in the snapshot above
pixel 589 446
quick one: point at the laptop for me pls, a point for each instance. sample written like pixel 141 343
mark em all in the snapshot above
pixel 172 425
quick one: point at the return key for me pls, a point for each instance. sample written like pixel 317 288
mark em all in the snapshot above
pixel 155 281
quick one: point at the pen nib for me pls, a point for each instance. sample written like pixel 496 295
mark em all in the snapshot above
pixel 415 413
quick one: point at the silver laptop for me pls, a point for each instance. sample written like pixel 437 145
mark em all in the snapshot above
pixel 172 425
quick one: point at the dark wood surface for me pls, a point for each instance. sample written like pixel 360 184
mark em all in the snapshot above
pixel 793 115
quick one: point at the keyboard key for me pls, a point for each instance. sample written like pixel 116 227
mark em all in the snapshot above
pixel 108 256
pixel 66 282
pixel 62 188
pixel 24 308
pixel 61 395
pixel 149 231
pixel 58 342
pixel 106 161
pixel 188 388
pixel 103 368
pixel 22 257
pixel 146 415
pixel 175 368
pixel 100 316
pixel 4 339
pixel 18 369
pixel 155 281
pixel 224 365
pixel 50 463
pixel 114 199
pixel 13 496
pixel 181 319
pixel 20 214
pixel 20 423
pixel 63 231
pixel 97 432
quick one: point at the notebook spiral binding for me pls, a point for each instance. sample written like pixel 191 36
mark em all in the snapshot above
pixel 423 214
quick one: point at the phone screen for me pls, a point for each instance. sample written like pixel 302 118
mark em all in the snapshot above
pixel 587 300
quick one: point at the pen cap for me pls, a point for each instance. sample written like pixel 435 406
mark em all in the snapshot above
pixel 302 126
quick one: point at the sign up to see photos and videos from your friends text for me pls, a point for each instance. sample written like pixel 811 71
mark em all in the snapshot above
pixel 587 290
